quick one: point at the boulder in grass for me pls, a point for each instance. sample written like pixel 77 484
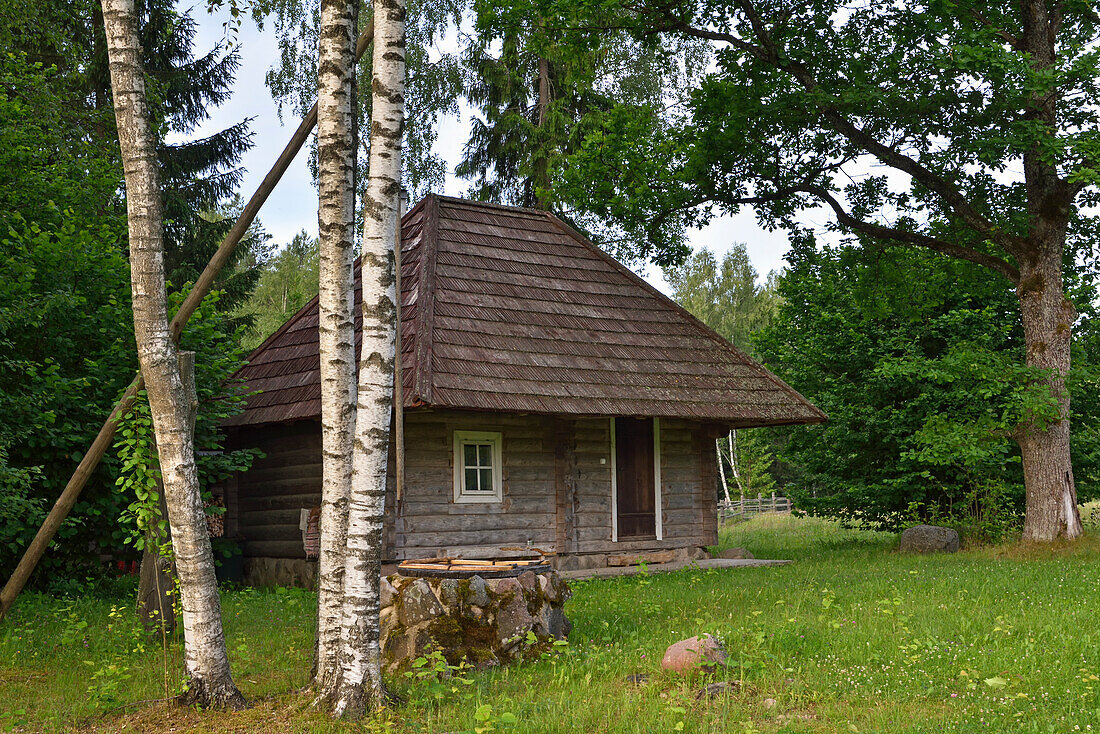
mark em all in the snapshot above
pixel 929 539
pixel 735 553
pixel 694 652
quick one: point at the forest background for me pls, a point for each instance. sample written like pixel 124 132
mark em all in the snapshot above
pixel 913 356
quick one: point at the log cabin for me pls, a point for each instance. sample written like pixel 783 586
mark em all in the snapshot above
pixel 552 401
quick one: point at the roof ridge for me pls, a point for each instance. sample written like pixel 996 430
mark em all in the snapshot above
pixel 300 313
pixel 476 204
pixel 691 318
pixel 425 310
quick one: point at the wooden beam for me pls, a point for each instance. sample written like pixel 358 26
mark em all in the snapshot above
pixel 564 485
pixel 205 282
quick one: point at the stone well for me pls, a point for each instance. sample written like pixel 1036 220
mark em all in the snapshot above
pixel 484 621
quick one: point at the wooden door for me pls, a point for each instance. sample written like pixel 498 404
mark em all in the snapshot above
pixel 634 478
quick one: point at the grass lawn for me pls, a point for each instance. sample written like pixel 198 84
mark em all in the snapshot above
pixel 851 637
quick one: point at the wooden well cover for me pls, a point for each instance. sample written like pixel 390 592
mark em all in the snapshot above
pixel 461 569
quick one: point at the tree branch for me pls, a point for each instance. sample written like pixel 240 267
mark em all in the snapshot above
pixel 1011 40
pixel 913 239
pixel 766 53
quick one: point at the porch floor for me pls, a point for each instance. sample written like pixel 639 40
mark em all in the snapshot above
pixel 591 573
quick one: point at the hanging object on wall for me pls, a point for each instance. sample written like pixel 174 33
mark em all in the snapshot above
pixel 309 522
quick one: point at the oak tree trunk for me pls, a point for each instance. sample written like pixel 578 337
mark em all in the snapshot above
pixel 336 225
pixel 1048 318
pixel 209 682
pixel 360 687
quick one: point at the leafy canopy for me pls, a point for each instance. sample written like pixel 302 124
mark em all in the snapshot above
pixel 909 121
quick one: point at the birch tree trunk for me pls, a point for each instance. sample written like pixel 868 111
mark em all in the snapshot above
pixel 733 464
pixel 209 682
pixel 722 469
pixel 336 225
pixel 360 687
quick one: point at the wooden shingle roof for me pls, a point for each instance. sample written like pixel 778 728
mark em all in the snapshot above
pixel 511 310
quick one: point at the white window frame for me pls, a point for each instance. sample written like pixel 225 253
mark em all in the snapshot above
pixel 658 512
pixel 465 438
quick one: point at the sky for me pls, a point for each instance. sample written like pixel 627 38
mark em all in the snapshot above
pixel 292 207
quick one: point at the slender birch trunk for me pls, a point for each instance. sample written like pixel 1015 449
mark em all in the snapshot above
pixel 733 464
pixel 722 469
pixel 336 225
pixel 360 686
pixel 209 680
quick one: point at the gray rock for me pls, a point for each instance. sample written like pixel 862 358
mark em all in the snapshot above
pixel 504 587
pixel 559 626
pixel 692 653
pixel 387 619
pixel 420 641
pixel 721 688
pixel 448 593
pixel 929 539
pixel 546 586
pixel 418 604
pixel 529 581
pixel 386 592
pixel 479 594
pixel 554 588
pixel 513 619
pixel 541 621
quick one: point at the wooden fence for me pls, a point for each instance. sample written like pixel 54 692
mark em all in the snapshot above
pixel 731 512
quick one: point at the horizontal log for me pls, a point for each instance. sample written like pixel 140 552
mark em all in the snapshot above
pixel 607 546
pixel 298 471
pixel 543 473
pixel 272 532
pixel 290 457
pixel 274 548
pixel 539 538
pixel 280 502
pixel 469 551
pixel 413 506
pixel 489 523
pixel 281 516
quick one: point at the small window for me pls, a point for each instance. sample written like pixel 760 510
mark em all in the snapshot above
pixel 477 466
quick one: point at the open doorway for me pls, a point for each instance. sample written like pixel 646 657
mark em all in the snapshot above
pixel 635 488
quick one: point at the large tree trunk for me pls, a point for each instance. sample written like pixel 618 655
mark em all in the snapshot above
pixel 336 225
pixel 361 675
pixel 1048 318
pixel 541 178
pixel 209 681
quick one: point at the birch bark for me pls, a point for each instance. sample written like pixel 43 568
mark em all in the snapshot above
pixel 360 687
pixel 336 225
pixel 734 462
pixel 722 469
pixel 209 683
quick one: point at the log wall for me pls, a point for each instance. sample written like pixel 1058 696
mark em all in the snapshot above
pixel 556 488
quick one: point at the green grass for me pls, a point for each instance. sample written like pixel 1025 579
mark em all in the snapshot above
pixel 851 637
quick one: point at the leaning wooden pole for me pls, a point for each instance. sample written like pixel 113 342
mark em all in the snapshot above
pixel 205 282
